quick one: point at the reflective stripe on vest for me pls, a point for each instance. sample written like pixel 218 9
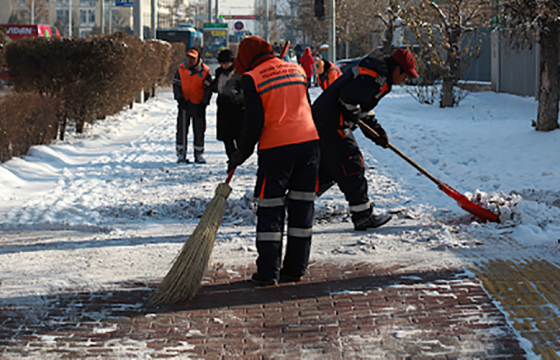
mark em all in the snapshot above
pixel 383 84
pixel 192 85
pixel 282 87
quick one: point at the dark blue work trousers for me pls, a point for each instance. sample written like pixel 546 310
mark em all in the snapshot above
pixel 286 180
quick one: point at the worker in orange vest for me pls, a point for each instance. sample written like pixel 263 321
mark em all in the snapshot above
pixel 278 116
pixel 327 73
pixel 191 89
pixel 338 111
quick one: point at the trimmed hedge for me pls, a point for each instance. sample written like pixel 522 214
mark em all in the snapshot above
pixel 26 119
pixel 74 79
pixel 93 77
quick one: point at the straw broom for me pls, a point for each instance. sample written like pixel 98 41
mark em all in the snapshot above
pixel 183 280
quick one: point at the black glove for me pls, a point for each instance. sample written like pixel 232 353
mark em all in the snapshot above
pixel 183 104
pixel 381 138
pixel 235 160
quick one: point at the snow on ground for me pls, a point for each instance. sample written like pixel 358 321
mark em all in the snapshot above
pixel 112 205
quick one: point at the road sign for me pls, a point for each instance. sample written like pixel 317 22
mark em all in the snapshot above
pixel 124 3
pixel 253 17
pixel 238 25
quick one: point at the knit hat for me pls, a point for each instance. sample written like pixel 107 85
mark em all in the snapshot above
pixel 225 56
pixel 406 60
pixel 252 52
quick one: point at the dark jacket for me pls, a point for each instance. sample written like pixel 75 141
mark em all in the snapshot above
pixel 353 95
pixel 178 92
pixel 227 83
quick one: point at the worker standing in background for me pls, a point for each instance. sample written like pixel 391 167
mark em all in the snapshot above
pixel 191 90
pixel 327 73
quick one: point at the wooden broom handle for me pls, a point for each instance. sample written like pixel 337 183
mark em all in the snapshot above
pixel 398 152
pixel 285 49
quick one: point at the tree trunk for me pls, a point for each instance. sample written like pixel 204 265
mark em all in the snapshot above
pixel 63 128
pixel 547 117
pixel 447 97
pixel 446 93
pixel 80 126
pixel 450 75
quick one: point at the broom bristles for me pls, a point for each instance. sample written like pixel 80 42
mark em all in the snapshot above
pixel 183 279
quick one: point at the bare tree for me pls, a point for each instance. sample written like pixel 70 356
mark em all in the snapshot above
pixel 391 19
pixel 439 30
pixel 524 20
pixel 357 32
pixel 194 12
pixel 312 31
pixel 358 29
pixel 39 9
pixel 275 27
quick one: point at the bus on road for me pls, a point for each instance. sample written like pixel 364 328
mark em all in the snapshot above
pixel 186 34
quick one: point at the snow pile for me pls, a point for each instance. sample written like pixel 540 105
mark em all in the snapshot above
pixel 499 203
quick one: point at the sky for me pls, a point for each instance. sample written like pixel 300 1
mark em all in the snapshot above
pixel 93 210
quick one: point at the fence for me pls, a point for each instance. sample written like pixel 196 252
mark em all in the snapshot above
pixel 514 71
pixel 479 69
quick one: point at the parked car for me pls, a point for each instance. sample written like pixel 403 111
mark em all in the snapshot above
pixel 15 32
pixel 347 64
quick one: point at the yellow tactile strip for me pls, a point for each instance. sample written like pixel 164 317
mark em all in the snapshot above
pixel 529 292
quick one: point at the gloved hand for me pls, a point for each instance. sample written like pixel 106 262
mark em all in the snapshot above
pixel 381 138
pixel 236 159
pixel 183 104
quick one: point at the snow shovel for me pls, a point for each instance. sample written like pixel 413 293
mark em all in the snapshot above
pixel 464 203
pixel 183 279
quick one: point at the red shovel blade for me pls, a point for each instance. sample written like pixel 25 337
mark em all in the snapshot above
pixel 467 205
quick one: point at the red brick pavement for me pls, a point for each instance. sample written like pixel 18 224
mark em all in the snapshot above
pixel 339 311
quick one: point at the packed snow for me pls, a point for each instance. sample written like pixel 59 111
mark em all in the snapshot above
pixel 111 205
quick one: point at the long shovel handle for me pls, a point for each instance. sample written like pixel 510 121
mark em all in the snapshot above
pixel 409 160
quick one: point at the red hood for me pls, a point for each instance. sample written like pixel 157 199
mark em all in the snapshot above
pixel 252 52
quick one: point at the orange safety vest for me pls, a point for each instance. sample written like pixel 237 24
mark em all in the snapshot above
pixel 332 74
pixel 282 87
pixel 192 84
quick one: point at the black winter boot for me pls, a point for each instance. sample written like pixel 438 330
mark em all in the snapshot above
pixel 371 222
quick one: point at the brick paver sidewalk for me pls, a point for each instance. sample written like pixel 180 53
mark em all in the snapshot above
pixel 339 311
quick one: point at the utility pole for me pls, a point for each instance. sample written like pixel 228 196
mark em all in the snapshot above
pixel 332 31
pixel 102 5
pixel 32 15
pixel 154 18
pixel 210 11
pixel 266 20
pixel 138 30
pixel 216 11
pixel 110 16
pixel 137 15
pixel 69 17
